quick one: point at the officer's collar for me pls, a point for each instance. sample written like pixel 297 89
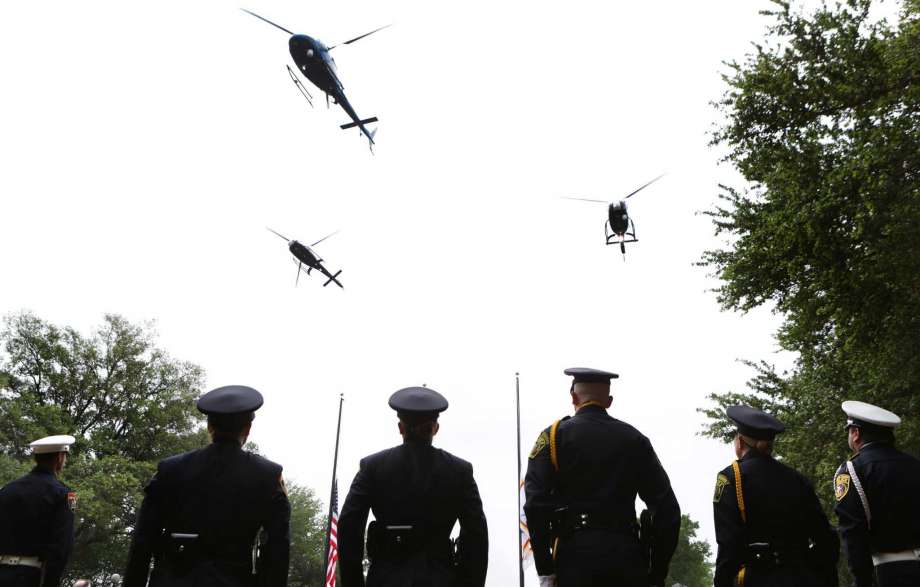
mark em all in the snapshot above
pixel 753 453
pixel 42 471
pixel 874 445
pixel 592 406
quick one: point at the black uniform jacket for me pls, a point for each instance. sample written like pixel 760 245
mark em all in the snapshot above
pixel 603 464
pixel 224 495
pixel 36 519
pixel 782 512
pixel 891 482
pixel 416 485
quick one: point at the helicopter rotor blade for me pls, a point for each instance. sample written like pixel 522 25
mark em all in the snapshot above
pixel 286 239
pixel 268 21
pixel 350 41
pixel 584 200
pixel 645 186
pixel 324 238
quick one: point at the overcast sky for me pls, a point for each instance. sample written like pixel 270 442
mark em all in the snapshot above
pixel 146 146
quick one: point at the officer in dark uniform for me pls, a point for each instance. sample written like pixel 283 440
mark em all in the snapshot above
pixel 583 476
pixel 203 509
pixel 36 519
pixel 417 493
pixel 878 501
pixel 770 528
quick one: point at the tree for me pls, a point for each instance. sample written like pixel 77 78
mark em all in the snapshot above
pixel 823 121
pixel 308 534
pixel 690 565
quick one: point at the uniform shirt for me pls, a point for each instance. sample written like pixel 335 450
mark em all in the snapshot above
pixel 891 482
pixel 36 519
pixel 603 464
pixel 428 488
pixel 782 511
pixel 225 495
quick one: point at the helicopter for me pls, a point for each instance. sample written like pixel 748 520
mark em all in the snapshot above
pixel 304 255
pixel 314 61
pixel 619 227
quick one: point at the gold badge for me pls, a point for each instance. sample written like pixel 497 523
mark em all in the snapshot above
pixel 72 501
pixel 721 482
pixel 841 486
pixel 539 445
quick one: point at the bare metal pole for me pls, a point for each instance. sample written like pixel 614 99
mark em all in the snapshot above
pixel 517 396
pixel 335 462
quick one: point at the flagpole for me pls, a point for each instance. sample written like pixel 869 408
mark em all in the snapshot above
pixel 335 462
pixel 517 397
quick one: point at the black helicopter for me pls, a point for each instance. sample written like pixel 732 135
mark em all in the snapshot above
pixel 314 61
pixel 619 227
pixel 304 255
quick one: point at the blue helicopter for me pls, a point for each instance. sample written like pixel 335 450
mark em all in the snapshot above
pixel 304 255
pixel 619 228
pixel 314 61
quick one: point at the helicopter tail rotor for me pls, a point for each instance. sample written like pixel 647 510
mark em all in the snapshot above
pixel 332 278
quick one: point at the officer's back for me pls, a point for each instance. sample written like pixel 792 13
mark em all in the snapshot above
pixel 220 492
pixel 877 506
pixel 204 509
pixel 770 528
pixel 583 476
pixel 36 519
pixel 417 493
pixel 891 481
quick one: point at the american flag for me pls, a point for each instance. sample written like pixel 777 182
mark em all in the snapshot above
pixel 333 537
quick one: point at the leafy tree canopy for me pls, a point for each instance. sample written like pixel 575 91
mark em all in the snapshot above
pixel 823 121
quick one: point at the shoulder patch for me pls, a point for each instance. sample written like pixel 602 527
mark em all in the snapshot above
pixel 841 485
pixel 540 444
pixel 721 482
pixel 72 500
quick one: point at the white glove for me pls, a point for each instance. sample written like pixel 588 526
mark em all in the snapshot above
pixel 548 581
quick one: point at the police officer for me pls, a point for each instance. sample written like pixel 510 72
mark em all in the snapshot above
pixel 878 500
pixel 583 476
pixel 770 527
pixel 203 509
pixel 36 519
pixel 417 493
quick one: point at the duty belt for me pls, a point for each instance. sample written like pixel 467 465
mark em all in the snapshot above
pixel 571 520
pixel 22 561
pixel 766 554
pixel 881 558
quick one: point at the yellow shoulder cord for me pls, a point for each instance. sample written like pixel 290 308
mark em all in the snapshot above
pixel 739 495
pixel 553 455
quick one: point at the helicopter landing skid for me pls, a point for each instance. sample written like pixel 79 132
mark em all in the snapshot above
pixel 619 239
pixel 300 86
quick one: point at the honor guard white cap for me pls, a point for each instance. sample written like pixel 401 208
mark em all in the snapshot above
pixel 863 414
pixel 49 444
